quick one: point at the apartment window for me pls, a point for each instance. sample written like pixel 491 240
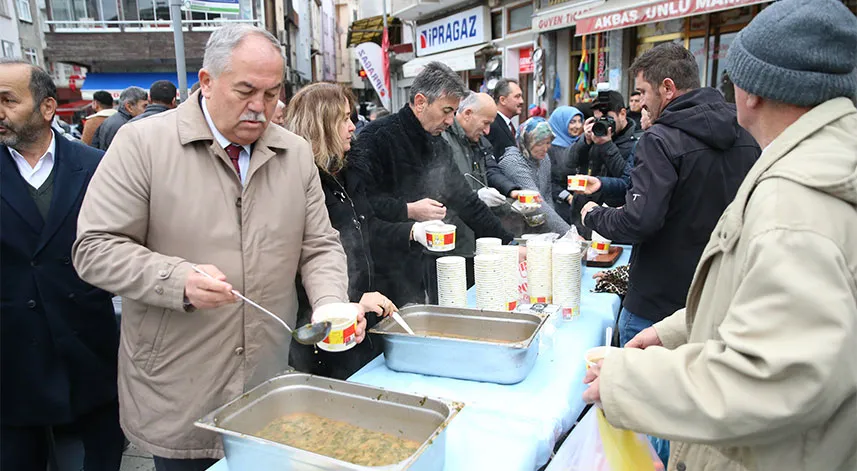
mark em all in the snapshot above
pixel 8 49
pixel 4 9
pixel 520 18
pixel 24 11
pixel 32 56
pixel 497 25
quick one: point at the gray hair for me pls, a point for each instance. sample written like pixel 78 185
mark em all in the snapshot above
pixel 132 95
pixel 41 84
pixel 221 43
pixel 435 81
pixel 502 88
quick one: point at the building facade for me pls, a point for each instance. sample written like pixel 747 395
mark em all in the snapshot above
pixel 10 41
pixel 612 33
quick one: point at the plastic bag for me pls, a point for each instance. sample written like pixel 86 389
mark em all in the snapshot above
pixel 595 445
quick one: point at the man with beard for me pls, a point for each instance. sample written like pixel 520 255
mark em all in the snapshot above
pixel 409 174
pixel 58 337
pixel 689 166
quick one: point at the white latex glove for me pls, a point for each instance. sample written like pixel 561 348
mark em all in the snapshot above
pixel 491 197
pixel 419 230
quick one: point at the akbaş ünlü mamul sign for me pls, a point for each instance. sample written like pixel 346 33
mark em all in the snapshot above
pixel 466 28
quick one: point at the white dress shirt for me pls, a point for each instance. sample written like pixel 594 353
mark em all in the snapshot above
pixel 243 156
pixel 36 176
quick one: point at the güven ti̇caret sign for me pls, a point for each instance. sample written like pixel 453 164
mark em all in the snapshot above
pixel 466 28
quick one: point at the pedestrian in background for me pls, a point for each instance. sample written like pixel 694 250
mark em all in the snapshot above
pixel 58 337
pixel 772 311
pixel 566 123
pixel 102 104
pixel 132 102
pixel 162 97
pixel 510 103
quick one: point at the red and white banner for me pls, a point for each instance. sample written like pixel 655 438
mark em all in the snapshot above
pixel 371 59
pixel 595 22
pixel 385 64
pixel 525 61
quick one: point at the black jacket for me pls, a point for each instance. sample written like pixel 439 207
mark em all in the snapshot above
pixel 500 137
pixel 690 164
pixel 400 163
pixel 612 162
pixel 151 109
pixel 58 336
pixel 351 215
pixel 107 131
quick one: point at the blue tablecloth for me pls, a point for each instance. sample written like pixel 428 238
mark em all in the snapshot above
pixel 514 427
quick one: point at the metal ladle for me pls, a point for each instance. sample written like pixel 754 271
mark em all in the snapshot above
pixel 309 334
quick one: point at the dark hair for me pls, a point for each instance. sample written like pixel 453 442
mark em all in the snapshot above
pixel 668 61
pixel 437 80
pixel 103 97
pixel 163 92
pixel 635 93
pixel 585 108
pixel 41 84
pixel 615 101
pixel 503 88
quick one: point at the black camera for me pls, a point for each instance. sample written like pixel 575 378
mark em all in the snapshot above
pixel 601 125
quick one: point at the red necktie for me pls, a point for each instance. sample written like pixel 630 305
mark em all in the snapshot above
pixel 233 152
pixel 512 127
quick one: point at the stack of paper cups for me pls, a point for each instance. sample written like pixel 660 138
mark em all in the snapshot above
pixel 490 285
pixel 451 282
pixel 487 244
pixel 509 271
pixel 539 270
pixel 567 272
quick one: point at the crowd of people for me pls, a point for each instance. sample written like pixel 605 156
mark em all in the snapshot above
pixel 742 219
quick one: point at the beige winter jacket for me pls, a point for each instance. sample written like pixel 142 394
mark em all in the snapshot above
pixel 166 196
pixel 760 370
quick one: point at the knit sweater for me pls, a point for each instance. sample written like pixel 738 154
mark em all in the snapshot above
pixel 534 174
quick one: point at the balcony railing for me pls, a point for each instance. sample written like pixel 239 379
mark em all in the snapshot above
pixel 147 26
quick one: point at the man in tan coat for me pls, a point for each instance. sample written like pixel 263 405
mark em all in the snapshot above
pixel 207 183
pixel 102 104
pixel 759 371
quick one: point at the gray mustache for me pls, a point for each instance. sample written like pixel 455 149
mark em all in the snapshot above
pixel 253 117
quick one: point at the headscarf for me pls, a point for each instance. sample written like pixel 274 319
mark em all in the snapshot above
pixel 559 125
pixel 532 131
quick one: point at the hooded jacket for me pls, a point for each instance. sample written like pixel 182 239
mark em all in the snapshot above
pixel 689 165
pixel 760 371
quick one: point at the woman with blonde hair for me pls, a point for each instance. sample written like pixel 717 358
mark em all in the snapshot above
pixel 321 114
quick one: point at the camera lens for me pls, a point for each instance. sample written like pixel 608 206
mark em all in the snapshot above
pixel 599 128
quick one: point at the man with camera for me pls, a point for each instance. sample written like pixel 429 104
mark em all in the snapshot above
pixel 606 154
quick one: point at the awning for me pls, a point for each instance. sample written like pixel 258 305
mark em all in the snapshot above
pixel 459 59
pixel 369 30
pixel 69 109
pixel 114 83
pixel 563 17
pixel 619 14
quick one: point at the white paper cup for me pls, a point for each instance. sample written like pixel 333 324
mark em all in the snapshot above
pixel 440 237
pixel 600 244
pixel 594 355
pixel 577 182
pixel 529 197
pixel 343 332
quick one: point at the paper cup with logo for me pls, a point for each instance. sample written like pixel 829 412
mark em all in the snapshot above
pixel 343 330
pixel 529 197
pixel 577 182
pixel 600 243
pixel 594 355
pixel 440 237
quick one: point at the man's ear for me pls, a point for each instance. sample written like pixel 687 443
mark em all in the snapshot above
pixel 668 89
pixel 420 102
pixel 48 108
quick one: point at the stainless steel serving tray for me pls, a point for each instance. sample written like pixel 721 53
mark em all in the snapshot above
pixel 409 416
pixel 505 353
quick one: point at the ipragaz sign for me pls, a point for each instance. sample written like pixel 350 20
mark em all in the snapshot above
pixel 466 28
